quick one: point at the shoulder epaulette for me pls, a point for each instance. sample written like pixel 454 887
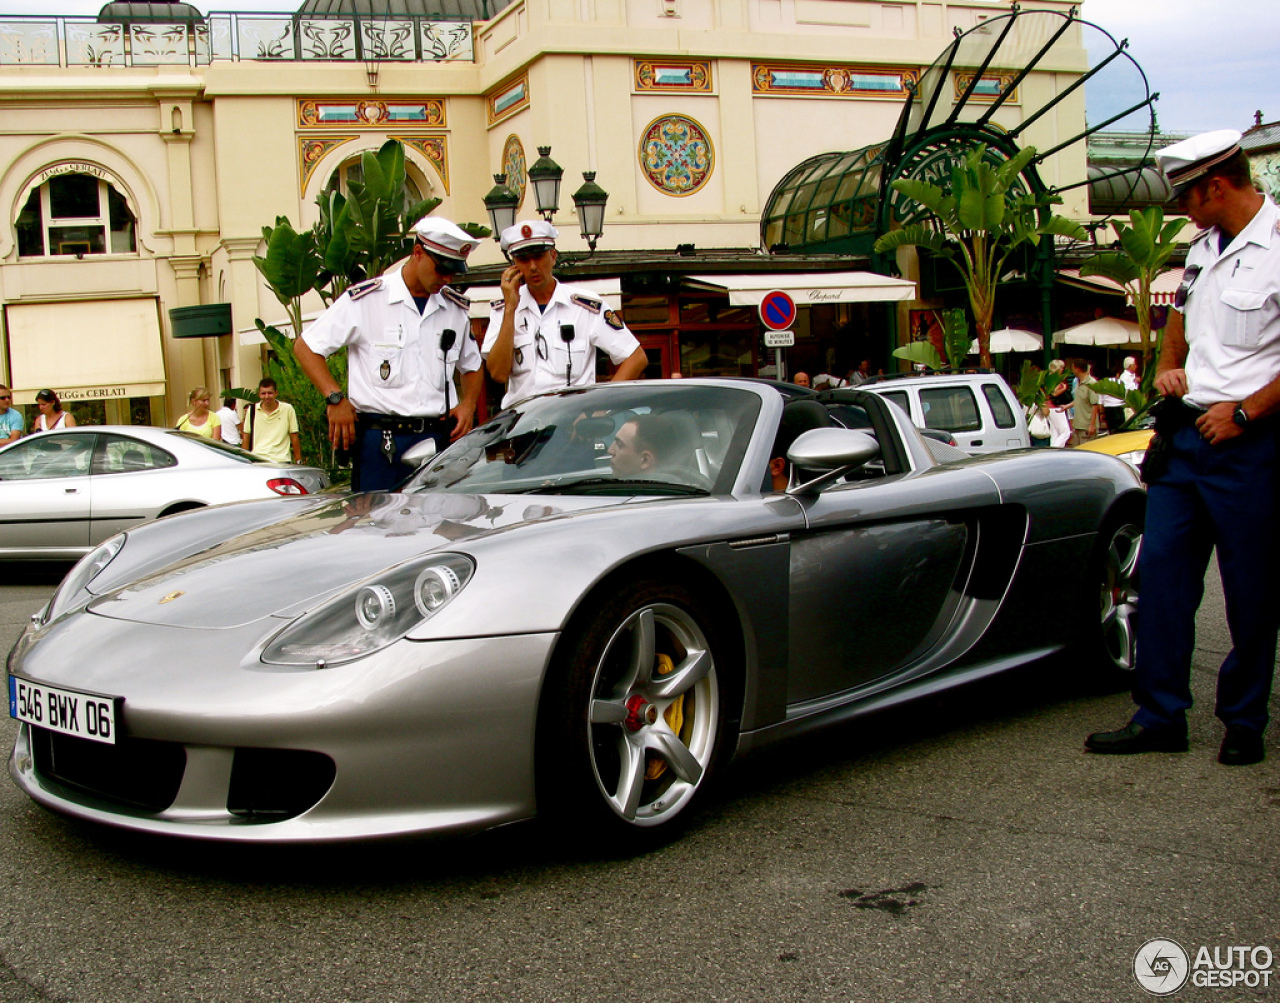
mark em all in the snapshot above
pixel 586 302
pixel 1199 237
pixel 364 288
pixel 496 305
pixel 455 297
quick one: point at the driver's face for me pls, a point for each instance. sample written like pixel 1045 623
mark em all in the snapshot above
pixel 625 459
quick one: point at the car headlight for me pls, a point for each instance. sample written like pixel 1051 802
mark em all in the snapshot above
pixel 74 590
pixel 373 614
pixel 1134 457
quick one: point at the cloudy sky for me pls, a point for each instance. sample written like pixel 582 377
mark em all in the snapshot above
pixel 1214 62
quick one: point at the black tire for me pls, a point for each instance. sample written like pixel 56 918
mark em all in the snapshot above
pixel 1114 645
pixel 627 744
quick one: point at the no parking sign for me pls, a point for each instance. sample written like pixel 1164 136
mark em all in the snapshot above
pixel 777 310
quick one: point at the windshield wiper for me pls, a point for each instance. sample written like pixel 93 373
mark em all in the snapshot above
pixel 637 484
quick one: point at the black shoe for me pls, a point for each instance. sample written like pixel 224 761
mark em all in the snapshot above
pixel 1241 747
pixel 1133 737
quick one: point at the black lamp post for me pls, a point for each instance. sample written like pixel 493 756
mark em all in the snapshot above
pixel 590 200
pixel 545 176
pixel 501 203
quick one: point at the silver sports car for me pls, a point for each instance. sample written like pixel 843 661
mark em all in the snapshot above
pixel 582 609
pixel 62 493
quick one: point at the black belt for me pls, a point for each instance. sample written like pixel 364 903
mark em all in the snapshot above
pixel 400 424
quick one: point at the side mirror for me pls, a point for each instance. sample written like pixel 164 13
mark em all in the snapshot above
pixel 835 451
pixel 419 454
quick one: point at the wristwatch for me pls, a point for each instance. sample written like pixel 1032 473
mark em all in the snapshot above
pixel 1240 416
pixel 336 397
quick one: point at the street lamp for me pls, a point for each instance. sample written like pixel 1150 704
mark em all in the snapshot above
pixel 501 203
pixel 590 200
pixel 545 176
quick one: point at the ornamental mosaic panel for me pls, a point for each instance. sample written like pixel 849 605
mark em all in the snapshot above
pixel 831 80
pixel 313 149
pixel 990 87
pixel 515 167
pixel 676 155
pixel 511 99
pixel 672 75
pixel 370 114
pixel 435 150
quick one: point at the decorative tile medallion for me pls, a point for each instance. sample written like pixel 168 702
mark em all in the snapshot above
pixel 990 87
pixel 514 97
pixel 513 166
pixel 672 75
pixel 436 151
pixel 370 114
pixel 676 155
pixel 313 149
pixel 831 80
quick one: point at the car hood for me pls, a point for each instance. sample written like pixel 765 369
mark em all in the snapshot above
pixel 285 567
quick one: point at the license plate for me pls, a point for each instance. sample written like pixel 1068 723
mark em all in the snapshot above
pixel 85 715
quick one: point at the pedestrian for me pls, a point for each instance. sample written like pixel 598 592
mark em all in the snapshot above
pixel 271 428
pixel 1084 408
pixel 801 379
pixel 861 374
pixel 1060 401
pixel 229 422
pixel 199 420
pixel 51 415
pixel 12 424
pixel 1129 374
pixel 544 335
pixel 1112 411
pixel 407 333
pixel 1212 469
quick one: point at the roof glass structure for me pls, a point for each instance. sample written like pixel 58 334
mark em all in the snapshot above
pixel 156 10
pixel 827 203
pixel 443 10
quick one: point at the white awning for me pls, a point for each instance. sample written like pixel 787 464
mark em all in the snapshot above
pixel 104 349
pixel 809 288
pixel 609 290
pixel 1163 287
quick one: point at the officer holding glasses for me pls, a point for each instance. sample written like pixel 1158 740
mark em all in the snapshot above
pixel 407 333
pixel 544 335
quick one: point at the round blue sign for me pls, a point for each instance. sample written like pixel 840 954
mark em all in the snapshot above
pixel 777 310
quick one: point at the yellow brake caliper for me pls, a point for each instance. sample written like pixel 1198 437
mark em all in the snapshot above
pixel 656 765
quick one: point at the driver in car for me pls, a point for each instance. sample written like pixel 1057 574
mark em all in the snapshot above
pixel 653 445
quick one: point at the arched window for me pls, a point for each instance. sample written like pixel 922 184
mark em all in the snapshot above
pixel 352 170
pixel 76 214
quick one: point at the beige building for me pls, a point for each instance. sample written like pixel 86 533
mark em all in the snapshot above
pixel 144 151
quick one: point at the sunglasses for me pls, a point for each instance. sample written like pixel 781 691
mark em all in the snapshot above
pixel 1184 288
pixel 6 397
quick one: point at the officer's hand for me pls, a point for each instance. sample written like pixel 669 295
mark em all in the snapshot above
pixel 342 424
pixel 1217 424
pixel 462 419
pixel 1172 382
pixel 512 280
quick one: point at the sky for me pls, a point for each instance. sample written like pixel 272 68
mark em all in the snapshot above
pixel 1214 62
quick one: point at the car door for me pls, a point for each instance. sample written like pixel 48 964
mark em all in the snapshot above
pixel 129 484
pixel 46 494
pixel 877 575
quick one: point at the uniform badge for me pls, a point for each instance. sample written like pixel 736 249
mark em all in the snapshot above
pixel 364 288
pixel 384 370
pixel 526 231
pixel 586 302
pixel 464 250
pixel 496 305
pixel 613 320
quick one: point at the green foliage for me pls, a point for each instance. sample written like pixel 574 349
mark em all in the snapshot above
pixel 292 266
pixel 1035 385
pixel 920 352
pixel 1145 247
pixel 955 336
pixel 980 218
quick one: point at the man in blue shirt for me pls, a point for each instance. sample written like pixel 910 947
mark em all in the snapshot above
pixel 12 424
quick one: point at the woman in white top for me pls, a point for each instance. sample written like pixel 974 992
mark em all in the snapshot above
pixel 199 420
pixel 51 415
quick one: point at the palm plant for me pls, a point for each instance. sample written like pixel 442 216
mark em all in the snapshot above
pixel 979 219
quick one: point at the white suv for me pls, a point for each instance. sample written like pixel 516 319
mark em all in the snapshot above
pixel 978 408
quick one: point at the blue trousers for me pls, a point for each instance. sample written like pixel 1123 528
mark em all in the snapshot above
pixel 372 471
pixel 1223 496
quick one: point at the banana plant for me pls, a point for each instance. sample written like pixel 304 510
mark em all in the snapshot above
pixel 1145 247
pixel 292 266
pixel 981 217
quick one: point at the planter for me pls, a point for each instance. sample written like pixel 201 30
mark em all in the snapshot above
pixel 208 320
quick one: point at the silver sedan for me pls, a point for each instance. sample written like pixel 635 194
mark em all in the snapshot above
pixel 62 493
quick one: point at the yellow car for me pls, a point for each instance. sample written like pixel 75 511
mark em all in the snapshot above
pixel 1130 446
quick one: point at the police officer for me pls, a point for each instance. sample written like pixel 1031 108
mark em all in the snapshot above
pixel 407 332
pixel 543 335
pixel 1219 370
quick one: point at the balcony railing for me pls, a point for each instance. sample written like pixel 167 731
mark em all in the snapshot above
pixel 84 41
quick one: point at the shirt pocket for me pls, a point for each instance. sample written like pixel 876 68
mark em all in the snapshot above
pixel 1247 313
pixel 389 360
pixel 524 351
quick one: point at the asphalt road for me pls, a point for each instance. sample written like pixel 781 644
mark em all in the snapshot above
pixel 965 850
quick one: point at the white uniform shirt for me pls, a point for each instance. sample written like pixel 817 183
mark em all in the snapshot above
pixel 229 428
pixel 542 359
pixel 1232 319
pixel 395 363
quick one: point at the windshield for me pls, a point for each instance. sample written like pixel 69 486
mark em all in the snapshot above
pixel 218 446
pixel 629 439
